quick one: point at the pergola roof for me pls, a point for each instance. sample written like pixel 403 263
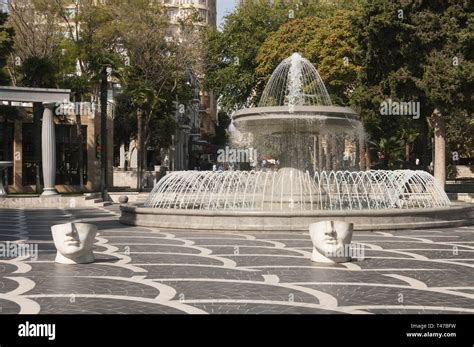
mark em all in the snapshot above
pixel 27 94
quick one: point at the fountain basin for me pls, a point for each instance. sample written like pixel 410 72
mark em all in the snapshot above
pixel 458 214
pixel 297 119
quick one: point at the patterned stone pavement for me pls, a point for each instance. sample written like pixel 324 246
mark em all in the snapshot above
pixel 145 270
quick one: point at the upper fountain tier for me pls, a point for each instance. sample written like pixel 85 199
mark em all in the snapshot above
pixel 295 82
pixel 296 101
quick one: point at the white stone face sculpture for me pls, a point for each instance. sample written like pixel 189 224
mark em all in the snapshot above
pixel 331 241
pixel 74 242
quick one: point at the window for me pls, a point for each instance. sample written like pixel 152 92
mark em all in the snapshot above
pixel 171 14
pixel 203 15
pixel 71 12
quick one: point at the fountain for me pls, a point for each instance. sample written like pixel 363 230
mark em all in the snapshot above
pixel 320 174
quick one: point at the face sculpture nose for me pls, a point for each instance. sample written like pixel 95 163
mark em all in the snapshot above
pixel 70 229
pixel 331 231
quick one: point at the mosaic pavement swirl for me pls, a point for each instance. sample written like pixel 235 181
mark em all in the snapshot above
pixel 145 270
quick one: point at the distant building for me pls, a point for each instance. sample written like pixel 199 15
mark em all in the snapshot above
pixel 197 124
pixel 177 9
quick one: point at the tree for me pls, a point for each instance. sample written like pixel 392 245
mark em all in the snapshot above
pixel 155 77
pixel 143 30
pixel 6 47
pixel 231 55
pixel 448 88
pixel 327 42
pixel 408 50
pixel 94 30
pixel 37 30
pixel 75 65
pixel 230 58
pixel 448 78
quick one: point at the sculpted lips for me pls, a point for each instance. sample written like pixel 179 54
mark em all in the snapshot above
pixel 330 240
pixel 71 242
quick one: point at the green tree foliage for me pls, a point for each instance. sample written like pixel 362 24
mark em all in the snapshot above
pixel 6 47
pixel 407 50
pixel 36 55
pixel 154 78
pixel 231 54
pixel 39 72
pixel 125 121
pixel 327 42
pixel 445 30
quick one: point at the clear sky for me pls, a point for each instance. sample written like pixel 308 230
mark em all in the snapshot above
pixel 224 7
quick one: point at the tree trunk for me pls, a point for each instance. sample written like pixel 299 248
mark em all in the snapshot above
pixel 145 156
pixel 37 114
pixel 139 149
pixel 80 140
pixel 439 130
pixel 103 133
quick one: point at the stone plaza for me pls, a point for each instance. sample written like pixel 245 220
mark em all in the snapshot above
pixel 147 270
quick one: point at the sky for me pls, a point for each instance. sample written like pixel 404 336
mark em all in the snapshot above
pixel 224 7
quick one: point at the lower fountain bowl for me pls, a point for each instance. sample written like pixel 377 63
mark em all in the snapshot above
pixel 455 215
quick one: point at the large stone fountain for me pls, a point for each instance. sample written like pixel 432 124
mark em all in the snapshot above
pixel 321 173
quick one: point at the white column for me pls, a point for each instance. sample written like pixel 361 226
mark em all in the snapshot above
pixel 48 139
